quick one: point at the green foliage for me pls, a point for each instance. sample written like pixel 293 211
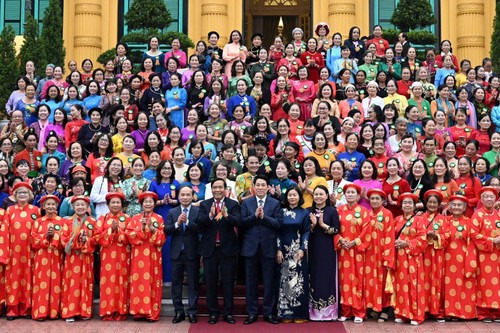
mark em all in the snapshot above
pixel 107 55
pixel 422 37
pixel 163 38
pixel 9 70
pixel 413 14
pixel 418 37
pixel 31 49
pixel 495 41
pixel 148 15
pixel 391 35
pixel 52 43
pixel 134 55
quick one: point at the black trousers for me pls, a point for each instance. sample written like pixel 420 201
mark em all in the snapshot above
pixel 226 265
pixel 252 279
pixel 192 269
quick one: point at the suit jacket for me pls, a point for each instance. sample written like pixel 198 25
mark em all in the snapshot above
pixel 355 54
pixel 260 231
pixel 227 234
pixel 189 237
pixel 406 46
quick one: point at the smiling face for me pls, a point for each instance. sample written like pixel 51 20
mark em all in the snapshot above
pixel 235 37
pixel 312 44
pixel 176 44
pixel 261 188
pixel 367 170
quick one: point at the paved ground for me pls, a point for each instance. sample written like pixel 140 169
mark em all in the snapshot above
pixel 165 326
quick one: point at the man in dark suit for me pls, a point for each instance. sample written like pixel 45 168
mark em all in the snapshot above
pixel 181 224
pixel 261 219
pixel 403 39
pixel 219 247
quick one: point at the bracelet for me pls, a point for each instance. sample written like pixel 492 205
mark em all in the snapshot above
pixel 330 230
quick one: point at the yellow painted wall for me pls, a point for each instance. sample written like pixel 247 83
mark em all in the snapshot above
pixel 222 16
pixel 468 24
pixel 90 28
pixel 341 15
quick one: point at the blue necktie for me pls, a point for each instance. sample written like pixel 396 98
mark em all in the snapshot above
pixel 185 210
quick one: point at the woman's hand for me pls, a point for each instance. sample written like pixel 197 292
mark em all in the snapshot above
pixel 302 183
pixel 279 257
pixel 299 256
pixel 313 219
pixel 333 199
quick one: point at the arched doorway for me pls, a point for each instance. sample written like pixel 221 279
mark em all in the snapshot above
pixel 264 16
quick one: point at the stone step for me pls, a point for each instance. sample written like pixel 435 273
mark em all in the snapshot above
pixel 167 307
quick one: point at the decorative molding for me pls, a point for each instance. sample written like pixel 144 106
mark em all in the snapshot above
pixel 471 41
pixel 88 9
pixel 466 8
pixel 341 8
pixel 87 41
pixel 214 9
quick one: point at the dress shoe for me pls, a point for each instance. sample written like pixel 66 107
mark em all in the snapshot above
pixel 192 318
pixel 178 317
pixel 271 320
pixel 11 318
pixel 229 319
pixel 212 320
pixel 250 320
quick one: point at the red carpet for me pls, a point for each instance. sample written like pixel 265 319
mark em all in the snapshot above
pixel 262 327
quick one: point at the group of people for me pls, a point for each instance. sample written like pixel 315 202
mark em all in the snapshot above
pixel 347 176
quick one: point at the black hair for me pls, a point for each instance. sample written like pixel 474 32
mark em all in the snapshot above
pixel 199 166
pixel 106 172
pixel 325 189
pixel 319 171
pixel 136 120
pixel 109 150
pixel 374 167
pixel 57 99
pixel 218 180
pixel 316 134
pixel 147 148
pixel 81 146
pixel 159 177
pixel 169 140
pixel 447 175
pixel 262 177
pixel 285 203
pixel 488 164
pixel 98 88
pixel 51 175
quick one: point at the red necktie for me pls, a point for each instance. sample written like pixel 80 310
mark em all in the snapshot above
pixel 217 212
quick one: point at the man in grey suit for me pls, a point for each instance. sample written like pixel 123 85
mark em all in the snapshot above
pixel 181 224
pixel 262 217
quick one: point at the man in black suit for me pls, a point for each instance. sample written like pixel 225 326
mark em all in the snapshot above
pixel 261 219
pixel 403 39
pixel 219 247
pixel 181 224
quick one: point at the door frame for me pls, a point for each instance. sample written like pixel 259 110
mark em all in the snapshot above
pixel 256 8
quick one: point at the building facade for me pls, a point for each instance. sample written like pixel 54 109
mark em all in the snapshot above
pixel 94 26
